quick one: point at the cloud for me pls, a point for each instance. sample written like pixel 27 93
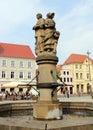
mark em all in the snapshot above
pixel 16 12
pixel 76 29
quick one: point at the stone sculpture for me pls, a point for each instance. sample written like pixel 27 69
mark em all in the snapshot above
pixel 46 35
pixel 39 34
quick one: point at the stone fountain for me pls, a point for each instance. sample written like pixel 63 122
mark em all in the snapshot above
pixel 47 111
pixel 46 39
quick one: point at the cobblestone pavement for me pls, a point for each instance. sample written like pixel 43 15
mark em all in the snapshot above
pixel 86 98
pixel 29 122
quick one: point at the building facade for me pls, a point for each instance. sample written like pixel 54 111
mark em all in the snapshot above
pixel 76 72
pixel 17 65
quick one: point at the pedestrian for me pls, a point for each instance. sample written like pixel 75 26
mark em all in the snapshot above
pixel 67 93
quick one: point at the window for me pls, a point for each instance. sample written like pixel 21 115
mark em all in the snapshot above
pixel 87 75
pixel 29 75
pixel 21 63
pixel 11 89
pixel 70 79
pixel 3 74
pixel 67 72
pixel 21 75
pixel 76 66
pixel 80 75
pixel 87 67
pixel 3 62
pixel 64 79
pixel 29 64
pixel 2 89
pixel 80 66
pixel 77 87
pixel 64 72
pixel 12 75
pixel 20 89
pixel 12 63
pixel 67 79
pixel 86 61
pixel 76 75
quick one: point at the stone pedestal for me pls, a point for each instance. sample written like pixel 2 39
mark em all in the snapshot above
pixel 48 110
pixel 47 107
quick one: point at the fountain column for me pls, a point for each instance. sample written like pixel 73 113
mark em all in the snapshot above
pixel 47 106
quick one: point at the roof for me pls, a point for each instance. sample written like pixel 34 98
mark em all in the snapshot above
pixel 16 51
pixel 76 58
pixel 58 67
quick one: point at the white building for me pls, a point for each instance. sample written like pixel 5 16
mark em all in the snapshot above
pixel 17 65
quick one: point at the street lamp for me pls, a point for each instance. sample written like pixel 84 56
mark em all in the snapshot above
pixel 90 83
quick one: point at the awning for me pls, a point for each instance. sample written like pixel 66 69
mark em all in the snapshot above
pixel 14 85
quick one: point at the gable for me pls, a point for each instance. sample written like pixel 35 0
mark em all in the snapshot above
pixel 76 58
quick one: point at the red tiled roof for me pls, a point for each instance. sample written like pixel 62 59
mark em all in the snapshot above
pixel 16 50
pixel 76 58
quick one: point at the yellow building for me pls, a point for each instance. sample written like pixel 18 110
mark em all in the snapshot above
pixel 77 70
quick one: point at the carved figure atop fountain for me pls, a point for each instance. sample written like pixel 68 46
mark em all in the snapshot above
pixel 51 35
pixel 46 35
pixel 39 34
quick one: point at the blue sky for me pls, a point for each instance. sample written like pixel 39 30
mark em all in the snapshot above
pixel 74 20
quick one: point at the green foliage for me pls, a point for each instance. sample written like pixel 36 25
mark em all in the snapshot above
pixel 58 74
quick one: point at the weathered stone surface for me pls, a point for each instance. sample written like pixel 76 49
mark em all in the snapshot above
pixel 28 123
pixel 47 110
pixel 67 124
pixel 46 35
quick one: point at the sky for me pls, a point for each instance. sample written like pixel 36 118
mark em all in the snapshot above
pixel 73 18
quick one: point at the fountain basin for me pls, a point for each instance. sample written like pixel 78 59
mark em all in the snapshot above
pixel 19 116
pixel 78 108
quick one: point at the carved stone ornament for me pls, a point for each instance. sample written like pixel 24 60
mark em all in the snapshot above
pixel 46 36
